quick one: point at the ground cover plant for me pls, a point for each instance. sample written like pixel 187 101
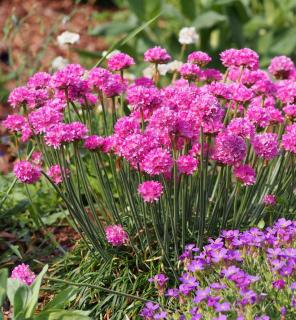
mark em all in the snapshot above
pixel 240 275
pixel 149 164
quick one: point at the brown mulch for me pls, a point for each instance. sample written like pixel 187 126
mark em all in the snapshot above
pixel 28 31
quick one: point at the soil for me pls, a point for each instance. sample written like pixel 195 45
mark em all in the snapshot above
pixel 28 31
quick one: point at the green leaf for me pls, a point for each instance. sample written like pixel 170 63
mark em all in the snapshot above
pixel 261 224
pixel 21 301
pixel 127 38
pixel 63 315
pixel 138 8
pixel 53 217
pixel 35 287
pixel 188 8
pixel 63 297
pixel 208 19
pixel 113 28
pixel 286 43
pixel 12 286
pixel 3 285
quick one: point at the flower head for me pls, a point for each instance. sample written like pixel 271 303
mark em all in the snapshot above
pixel 68 37
pixel 281 67
pixel 27 172
pixel 157 55
pixel 187 164
pixel 24 274
pixel 266 145
pixel 200 58
pixel 269 199
pixel 150 190
pixel 120 61
pixel 229 148
pixel 116 235
pixel 188 35
pixel 245 174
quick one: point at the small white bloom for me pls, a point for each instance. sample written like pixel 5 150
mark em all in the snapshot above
pixel 68 38
pixel 109 55
pixel 163 69
pixel 188 35
pixel 59 63
pixel 129 76
pixel 174 65
pixel 148 72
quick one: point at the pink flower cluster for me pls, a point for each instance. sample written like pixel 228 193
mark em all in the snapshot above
pixel 168 126
pixel 116 235
pixel 27 172
pixel 150 190
pixel 23 274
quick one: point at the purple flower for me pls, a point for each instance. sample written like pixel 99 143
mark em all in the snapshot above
pixel 222 307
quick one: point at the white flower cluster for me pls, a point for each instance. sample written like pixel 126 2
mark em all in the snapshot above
pixel 188 35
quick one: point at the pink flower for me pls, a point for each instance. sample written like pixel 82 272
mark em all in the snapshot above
pixel 266 145
pixel 210 75
pixel 200 58
pixel 290 111
pixel 37 158
pixel 143 98
pixel 258 115
pixel 65 133
pixel 126 126
pixel 39 80
pixel 43 118
pixel 286 91
pixel 269 200
pixel 116 235
pixel 68 77
pixel 243 57
pixel 97 77
pixel 157 55
pixel 93 142
pixel 157 161
pixel 120 61
pixel 20 96
pixel 23 274
pixel 113 86
pixel 229 148
pixel 143 81
pixel 14 122
pixel 54 172
pixel 187 164
pixel 281 67
pixel 27 172
pixel 189 71
pixel 242 127
pixel 245 174
pixel 240 93
pixel 289 138
pixel 150 190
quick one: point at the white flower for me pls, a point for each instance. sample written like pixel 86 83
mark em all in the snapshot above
pixel 163 69
pixel 109 55
pixel 59 63
pixel 174 65
pixel 68 38
pixel 188 35
pixel 148 72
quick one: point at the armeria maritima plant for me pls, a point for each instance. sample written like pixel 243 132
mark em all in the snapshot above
pixel 156 162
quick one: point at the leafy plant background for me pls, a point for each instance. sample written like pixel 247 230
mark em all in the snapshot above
pixel 266 26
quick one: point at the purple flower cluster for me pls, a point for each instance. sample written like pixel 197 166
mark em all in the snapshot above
pixel 234 277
